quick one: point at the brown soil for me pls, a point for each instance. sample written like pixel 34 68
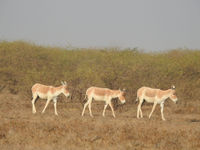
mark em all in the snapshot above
pixel 20 129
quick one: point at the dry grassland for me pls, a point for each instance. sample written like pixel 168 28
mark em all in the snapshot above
pixel 20 129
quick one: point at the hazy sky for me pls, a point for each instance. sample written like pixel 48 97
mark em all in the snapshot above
pixel 146 24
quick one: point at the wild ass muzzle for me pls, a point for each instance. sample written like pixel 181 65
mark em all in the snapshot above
pixel 155 96
pixel 49 93
pixel 103 94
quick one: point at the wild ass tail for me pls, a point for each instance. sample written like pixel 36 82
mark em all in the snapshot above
pixel 85 98
pixel 136 100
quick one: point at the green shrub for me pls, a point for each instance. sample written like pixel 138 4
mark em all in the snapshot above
pixel 23 64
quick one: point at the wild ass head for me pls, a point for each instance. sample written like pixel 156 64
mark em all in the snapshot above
pixel 65 89
pixel 173 97
pixel 121 96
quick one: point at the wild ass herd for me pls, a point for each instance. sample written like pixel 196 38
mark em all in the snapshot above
pixel 150 95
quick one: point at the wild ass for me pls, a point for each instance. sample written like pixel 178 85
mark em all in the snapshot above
pixel 49 93
pixel 102 94
pixel 155 96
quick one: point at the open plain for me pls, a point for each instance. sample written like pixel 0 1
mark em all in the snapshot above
pixel 20 129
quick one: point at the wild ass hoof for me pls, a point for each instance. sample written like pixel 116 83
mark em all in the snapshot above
pixel 149 117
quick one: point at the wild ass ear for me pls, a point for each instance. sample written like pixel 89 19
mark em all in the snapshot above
pixel 173 87
pixel 124 90
pixel 62 83
pixel 65 83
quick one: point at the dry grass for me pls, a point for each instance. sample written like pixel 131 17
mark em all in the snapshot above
pixel 23 64
pixel 20 129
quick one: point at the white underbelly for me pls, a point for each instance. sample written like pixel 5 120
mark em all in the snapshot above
pixel 149 99
pixel 100 98
pixel 42 96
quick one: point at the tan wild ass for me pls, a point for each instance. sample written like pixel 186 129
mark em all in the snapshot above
pixel 103 94
pixel 155 96
pixel 49 93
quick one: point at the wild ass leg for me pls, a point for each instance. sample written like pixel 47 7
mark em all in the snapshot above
pixel 139 110
pixel 85 105
pixel 141 115
pixel 90 102
pixel 55 102
pixel 105 106
pixel 47 103
pixel 154 106
pixel 161 110
pixel 33 104
pixel 110 104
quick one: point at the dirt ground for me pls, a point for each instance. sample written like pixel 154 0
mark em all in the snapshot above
pixel 20 129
